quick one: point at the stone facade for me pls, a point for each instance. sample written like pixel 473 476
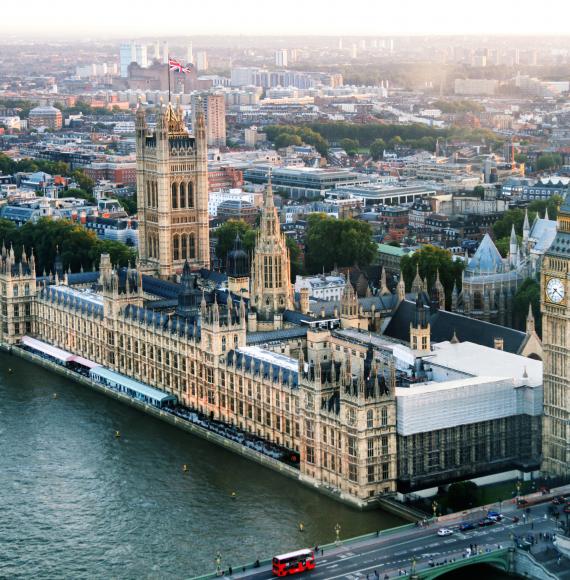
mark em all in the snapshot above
pixel 172 193
pixel 555 307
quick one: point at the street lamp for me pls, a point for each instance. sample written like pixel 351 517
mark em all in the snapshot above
pixel 518 484
pixel 434 506
pixel 337 532
pixel 218 564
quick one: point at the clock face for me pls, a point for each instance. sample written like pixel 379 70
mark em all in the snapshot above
pixel 555 290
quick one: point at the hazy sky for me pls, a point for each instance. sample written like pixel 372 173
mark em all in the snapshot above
pixel 128 18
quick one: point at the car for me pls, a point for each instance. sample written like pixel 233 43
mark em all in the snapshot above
pixel 521 502
pixel 486 522
pixel 444 532
pixel 567 508
pixel 465 526
pixel 559 500
pixel 495 516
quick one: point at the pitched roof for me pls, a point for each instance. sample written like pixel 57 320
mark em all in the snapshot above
pixel 444 324
pixel 487 258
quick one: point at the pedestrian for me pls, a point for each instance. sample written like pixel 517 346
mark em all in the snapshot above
pixel 322 552
pixel 230 571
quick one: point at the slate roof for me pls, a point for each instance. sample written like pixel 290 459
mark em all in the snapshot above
pixel 275 335
pixel 380 302
pixel 444 324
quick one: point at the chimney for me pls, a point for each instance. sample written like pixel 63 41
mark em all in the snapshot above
pixel 499 343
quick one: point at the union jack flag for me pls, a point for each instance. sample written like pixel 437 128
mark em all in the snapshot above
pixel 176 66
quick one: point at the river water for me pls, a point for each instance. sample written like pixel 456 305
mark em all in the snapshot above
pixel 77 502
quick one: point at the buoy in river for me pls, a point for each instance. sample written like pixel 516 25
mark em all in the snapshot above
pixel 117 434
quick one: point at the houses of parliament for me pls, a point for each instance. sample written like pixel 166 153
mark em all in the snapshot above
pixel 336 383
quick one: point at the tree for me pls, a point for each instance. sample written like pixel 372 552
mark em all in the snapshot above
pixel 504 244
pixel 226 236
pixel 331 242
pixel 295 256
pixel 377 149
pixel 287 139
pixel 80 193
pixel 528 293
pixel 502 228
pixel 78 246
pixel 462 495
pixel 548 161
pixel 540 206
pixel 129 204
pixel 396 142
pixel 430 260
pixel 350 146
pixel 85 183
pixel 479 190
pixel 120 253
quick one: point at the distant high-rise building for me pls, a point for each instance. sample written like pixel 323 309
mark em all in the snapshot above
pixel 281 58
pixel 157 50
pixel 165 52
pixel 354 51
pixel 126 56
pixel 132 52
pixel 202 60
pixel 189 54
pixel 214 108
pixel 141 57
pixel 340 43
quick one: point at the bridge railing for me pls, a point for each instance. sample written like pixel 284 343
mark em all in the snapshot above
pixel 326 547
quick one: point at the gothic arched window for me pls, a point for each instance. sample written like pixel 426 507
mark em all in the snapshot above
pixel 190 194
pixel 176 248
pixel 191 246
pixel 174 196
pixel 182 195
pixel 184 247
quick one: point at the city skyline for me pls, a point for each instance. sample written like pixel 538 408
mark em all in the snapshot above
pixel 315 19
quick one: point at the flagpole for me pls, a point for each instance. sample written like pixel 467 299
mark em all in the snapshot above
pixel 168 70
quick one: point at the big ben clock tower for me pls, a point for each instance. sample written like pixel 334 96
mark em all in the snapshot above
pixel 555 308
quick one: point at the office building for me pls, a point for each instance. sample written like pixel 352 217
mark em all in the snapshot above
pixel 214 108
pixel 281 58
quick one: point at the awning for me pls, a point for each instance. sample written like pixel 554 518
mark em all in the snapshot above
pixel 47 349
pixel 84 362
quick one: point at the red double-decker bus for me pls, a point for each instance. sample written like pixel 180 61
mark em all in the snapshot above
pixel 293 562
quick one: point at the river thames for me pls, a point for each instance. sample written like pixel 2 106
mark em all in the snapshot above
pixel 77 502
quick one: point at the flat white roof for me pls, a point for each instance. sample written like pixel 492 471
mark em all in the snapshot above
pixel 483 361
pixel 268 356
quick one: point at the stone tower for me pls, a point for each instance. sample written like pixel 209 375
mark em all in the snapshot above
pixel 172 193
pixel 420 331
pixel 555 308
pixel 271 290
pixel 17 289
pixel 237 269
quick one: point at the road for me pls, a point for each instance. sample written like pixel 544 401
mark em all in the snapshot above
pixel 389 554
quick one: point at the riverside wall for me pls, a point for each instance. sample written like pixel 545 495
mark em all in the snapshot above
pixel 199 431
